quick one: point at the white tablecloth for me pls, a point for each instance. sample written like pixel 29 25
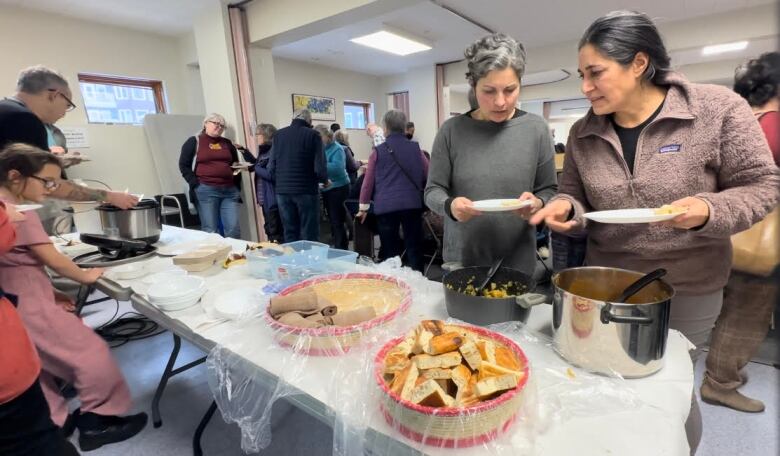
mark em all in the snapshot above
pixel 655 426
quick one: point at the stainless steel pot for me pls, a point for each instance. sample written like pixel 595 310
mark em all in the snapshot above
pixel 627 338
pixel 142 222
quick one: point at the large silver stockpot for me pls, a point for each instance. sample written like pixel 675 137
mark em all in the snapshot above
pixel 625 338
pixel 142 222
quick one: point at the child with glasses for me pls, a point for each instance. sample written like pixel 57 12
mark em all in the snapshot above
pixel 68 349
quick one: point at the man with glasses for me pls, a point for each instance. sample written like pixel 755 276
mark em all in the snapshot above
pixel 43 97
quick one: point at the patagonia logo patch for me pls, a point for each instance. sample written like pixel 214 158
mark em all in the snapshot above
pixel 670 148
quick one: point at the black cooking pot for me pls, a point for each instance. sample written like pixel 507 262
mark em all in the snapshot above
pixel 483 311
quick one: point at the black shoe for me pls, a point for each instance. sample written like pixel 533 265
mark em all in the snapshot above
pixel 98 430
pixel 70 423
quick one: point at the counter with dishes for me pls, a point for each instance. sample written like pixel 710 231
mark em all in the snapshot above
pixel 390 405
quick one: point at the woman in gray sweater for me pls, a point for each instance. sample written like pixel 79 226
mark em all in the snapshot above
pixel 494 151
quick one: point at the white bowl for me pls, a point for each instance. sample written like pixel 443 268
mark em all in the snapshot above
pixel 179 296
pixel 165 276
pixel 178 305
pixel 177 288
pixel 129 271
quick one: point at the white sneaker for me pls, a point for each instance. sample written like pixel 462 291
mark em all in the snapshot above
pixel 544 252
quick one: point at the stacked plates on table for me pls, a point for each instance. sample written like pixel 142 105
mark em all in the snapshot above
pixel 180 293
pixel 170 275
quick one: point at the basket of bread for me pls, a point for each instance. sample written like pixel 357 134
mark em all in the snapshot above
pixel 451 386
pixel 328 315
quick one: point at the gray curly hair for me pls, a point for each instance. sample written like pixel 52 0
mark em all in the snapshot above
pixel 36 79
pixel 494 52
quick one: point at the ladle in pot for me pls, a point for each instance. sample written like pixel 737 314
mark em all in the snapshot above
pixel 642 282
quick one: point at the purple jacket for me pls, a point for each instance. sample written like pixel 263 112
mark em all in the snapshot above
pixel 706 143
pixel 392 190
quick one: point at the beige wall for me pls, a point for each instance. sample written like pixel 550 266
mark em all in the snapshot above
pixel 421 84
pixel 680 36
pixel 459 102
pixel 120 155
pixel 267 18
pixel 291 76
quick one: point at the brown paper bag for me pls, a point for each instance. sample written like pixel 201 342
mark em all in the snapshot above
pixel 757 249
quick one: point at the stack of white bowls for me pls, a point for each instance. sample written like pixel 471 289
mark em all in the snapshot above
pixel 183 292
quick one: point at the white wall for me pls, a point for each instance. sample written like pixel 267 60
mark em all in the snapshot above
pixel 680 37
pixel 421 84
pixel 190 69
pixel 120 155
pixel 291 76
pixel 459 102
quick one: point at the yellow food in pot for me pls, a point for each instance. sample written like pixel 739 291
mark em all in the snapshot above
pixel 491 291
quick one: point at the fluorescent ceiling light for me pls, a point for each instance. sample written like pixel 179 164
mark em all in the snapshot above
pixel 391 42
pixel 726 47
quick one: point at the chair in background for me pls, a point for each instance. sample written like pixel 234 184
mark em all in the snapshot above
pixel 434 225
pixel 176 204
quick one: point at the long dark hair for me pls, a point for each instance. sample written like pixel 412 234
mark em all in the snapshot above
pixel 758 81
pixel 620 35
pixel 27 160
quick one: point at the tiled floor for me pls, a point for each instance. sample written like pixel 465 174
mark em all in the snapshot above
pixel 187 397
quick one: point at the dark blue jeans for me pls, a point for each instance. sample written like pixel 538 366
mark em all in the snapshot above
pixel 337 214
pixel 392 245
pixel 215 203
pixel 300 216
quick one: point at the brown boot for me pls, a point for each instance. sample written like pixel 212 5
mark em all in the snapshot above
pixel 732 399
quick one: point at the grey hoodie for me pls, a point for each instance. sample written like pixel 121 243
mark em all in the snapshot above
pixel 706 143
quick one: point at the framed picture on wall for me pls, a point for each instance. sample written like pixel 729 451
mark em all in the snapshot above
pixel 321 108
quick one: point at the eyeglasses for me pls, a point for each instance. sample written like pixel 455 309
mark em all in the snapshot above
pixel 217 124
pixel 71 105
pixel 48 184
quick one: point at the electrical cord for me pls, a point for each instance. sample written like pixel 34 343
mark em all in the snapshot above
pixel 129 326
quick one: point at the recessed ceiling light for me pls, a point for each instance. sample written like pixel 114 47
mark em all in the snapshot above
pixel 726 47
pixel 392 42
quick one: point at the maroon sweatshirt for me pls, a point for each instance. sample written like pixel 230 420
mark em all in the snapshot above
pixel 213 161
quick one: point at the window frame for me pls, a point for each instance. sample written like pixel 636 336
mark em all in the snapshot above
pixel 153 84
pixel 367 111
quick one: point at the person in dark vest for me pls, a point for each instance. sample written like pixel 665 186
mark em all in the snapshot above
pixel 264 185
pixel 395 178
pixel 297 167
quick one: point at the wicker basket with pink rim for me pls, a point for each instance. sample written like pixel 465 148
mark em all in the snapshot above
pixel 337 340
pixel 453 427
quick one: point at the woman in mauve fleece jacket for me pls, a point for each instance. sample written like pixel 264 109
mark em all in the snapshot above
pixel 652 138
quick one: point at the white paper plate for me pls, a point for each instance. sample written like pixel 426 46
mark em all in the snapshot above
pixel 237 303
pixel 629 216
pixel 129 271
pixel 182 286
pixel 501 205
pixel 28 207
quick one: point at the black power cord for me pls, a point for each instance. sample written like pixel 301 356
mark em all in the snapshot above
pixel 129 326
